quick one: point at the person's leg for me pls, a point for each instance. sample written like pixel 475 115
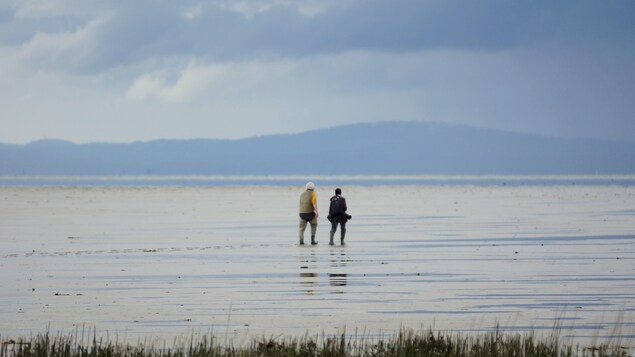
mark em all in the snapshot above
pixel 313 230
pixel 302 228
pixel 333 229
pixel 342 232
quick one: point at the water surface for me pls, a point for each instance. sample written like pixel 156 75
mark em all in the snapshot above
pixel 165 260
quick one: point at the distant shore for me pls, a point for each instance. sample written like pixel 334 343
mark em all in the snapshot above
pixel 323 180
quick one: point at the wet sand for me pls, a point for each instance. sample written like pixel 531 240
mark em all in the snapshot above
pixel 160 262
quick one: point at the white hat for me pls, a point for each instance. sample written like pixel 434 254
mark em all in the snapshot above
pixel 310 185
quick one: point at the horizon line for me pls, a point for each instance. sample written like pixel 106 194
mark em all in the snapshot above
pixel 417 122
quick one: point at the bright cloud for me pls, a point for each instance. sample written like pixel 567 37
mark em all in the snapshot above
pixel 190 83
pixel 199 80
pixel 247 9
pixel 251 8
pixel 62 49
pixel 193 13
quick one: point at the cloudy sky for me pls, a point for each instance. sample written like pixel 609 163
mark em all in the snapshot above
pixel 122 70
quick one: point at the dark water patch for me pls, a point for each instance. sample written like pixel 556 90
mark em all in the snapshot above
pixel 358 279
pixel 615 213
pixel 536 239
pixel 437 245
pixel 510 241
pixel 284 227
pixel 620 324
pixel 584 278
pixel 611 337
pixel 556 319
pixel 545 305
pixel 440 312
pixel 534 296
pixel 384 275
pixel 557 327
pixel 383 218
pixel 175 323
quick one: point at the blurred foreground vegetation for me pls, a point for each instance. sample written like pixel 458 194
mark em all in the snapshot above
pixel 405 343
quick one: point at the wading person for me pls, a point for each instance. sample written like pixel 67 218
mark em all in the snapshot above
pixel 337 214
pixel 308 212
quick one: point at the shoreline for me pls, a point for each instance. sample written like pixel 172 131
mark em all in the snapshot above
pixel 324 180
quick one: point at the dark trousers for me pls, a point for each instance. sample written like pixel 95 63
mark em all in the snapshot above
pixel 334 226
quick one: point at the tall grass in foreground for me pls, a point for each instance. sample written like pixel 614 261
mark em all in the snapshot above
pixel 405 343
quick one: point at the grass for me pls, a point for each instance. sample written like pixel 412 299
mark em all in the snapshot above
pixel 404 343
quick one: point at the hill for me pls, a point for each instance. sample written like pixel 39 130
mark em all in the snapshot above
pixel 378 148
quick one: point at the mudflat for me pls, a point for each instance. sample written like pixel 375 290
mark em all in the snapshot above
pixel 159 262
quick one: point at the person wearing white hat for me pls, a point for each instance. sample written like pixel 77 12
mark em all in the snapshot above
pixel 308 212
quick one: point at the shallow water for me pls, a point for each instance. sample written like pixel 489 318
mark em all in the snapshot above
pixel 167 261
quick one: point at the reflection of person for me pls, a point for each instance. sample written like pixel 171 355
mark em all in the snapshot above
pixel 337 214
pixel 308 274
pixel 338 264
pixel 308 212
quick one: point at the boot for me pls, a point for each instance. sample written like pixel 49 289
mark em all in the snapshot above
pixel 343 233
pixel 331 241
pixel 313 242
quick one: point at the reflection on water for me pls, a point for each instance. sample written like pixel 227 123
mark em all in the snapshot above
pixel 337 279
pixel 310 265
pixel 309 282
pixel 338 260
pixel 308 273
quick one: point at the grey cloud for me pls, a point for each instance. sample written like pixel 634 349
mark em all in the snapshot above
pixel 144 29
pixel 14 32
pixel 407 25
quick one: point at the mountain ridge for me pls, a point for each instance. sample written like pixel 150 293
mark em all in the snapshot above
pixel 365 148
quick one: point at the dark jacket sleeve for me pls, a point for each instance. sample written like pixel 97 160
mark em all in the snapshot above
pixel 331 206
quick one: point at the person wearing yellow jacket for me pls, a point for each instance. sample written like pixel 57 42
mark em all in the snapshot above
pixel 308 212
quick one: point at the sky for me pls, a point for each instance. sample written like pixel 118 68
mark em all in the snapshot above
pixel 123 71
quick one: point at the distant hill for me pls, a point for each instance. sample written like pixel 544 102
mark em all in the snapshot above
pixel 378 148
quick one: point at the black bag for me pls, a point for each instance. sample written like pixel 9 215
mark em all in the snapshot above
pixel 338 206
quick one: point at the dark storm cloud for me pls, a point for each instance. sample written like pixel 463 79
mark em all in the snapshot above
pixel 377 26
pixel 17 31
pixel 136 30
